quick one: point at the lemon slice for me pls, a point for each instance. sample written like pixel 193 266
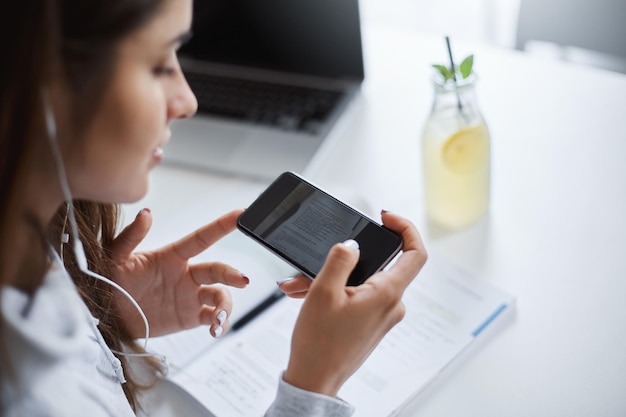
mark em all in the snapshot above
pixel 467 149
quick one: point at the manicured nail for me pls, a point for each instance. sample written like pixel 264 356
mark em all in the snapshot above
pixel 352 244
pixel 221 317
pixel 147 210
pixel 282 281
pixel 218 331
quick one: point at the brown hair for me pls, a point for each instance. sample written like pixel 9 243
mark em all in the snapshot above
pixel 74 41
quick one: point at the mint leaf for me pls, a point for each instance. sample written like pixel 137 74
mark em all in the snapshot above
pixel 466 66
pixel 444 71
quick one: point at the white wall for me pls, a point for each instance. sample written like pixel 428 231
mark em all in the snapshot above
pixel 490 21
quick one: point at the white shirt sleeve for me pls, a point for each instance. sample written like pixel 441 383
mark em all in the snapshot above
pixel 292 401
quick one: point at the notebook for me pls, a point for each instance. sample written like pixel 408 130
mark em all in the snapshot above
pixel 272 78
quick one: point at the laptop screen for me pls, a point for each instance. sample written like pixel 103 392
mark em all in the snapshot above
pixel 319 38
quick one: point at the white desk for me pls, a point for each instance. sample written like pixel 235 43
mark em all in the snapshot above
pixel 555 236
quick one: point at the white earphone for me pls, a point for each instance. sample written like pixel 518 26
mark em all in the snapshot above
pixel 79 250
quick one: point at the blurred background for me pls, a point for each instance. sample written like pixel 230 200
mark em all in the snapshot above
pixel 588 32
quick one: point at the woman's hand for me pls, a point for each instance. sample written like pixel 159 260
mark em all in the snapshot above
pixel 173 294
pixel 339 326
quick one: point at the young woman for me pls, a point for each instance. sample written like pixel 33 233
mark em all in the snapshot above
pixel 88 90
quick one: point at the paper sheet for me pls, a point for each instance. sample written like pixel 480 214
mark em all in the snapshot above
pixel 446 310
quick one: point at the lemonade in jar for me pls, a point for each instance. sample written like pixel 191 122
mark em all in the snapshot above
pixel 456 152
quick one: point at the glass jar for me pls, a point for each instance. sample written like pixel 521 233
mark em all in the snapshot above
pixel 456 151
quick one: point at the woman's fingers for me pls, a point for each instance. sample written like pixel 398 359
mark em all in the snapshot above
pixel 296 287
pixel 216 309
pixel 218 273
pixel 413 255
pixel 341 260
pixel 132 235
pixel 198 241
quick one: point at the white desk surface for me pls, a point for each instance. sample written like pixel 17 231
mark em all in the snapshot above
pixel 555 235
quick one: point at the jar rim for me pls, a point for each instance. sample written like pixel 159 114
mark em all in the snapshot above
pixel 449 85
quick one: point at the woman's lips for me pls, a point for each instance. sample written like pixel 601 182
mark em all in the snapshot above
pixel 157 155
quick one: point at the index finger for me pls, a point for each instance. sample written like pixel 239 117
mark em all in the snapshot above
pixel 198 241
pixel 413 255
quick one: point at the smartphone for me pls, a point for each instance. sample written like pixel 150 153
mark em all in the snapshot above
pixel 299 222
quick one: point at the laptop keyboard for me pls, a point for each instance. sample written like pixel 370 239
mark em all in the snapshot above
pixel 286 107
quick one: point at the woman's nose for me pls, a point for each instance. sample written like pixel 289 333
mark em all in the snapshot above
pixel 183 104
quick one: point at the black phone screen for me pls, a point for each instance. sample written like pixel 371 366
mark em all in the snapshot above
pixel 300 223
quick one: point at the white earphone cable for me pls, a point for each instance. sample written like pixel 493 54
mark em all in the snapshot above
pixel 79 250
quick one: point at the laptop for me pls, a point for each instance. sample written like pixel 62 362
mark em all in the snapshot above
pixel 272 79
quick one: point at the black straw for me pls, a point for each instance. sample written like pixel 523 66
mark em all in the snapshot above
pixel 456 87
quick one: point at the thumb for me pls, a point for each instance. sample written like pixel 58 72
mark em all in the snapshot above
pixel 132 235
pixel 341 260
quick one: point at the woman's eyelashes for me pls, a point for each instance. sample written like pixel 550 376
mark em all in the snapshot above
pixel 167 66
pixel 164 71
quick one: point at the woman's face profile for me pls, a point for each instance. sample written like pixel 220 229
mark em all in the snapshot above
pixel 147 90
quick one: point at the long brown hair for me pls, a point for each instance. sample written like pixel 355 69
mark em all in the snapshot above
pixel 74 41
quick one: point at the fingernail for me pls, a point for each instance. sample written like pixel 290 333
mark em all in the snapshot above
pixel 282 281
pixel 218 331
pixel 352 244
pixel 147 210
pixel 221 317
pixel 244 276
pixel 384 211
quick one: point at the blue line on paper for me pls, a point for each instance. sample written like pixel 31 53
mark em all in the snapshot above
pixel 488 320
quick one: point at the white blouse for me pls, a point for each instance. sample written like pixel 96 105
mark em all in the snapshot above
pixel 61 365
